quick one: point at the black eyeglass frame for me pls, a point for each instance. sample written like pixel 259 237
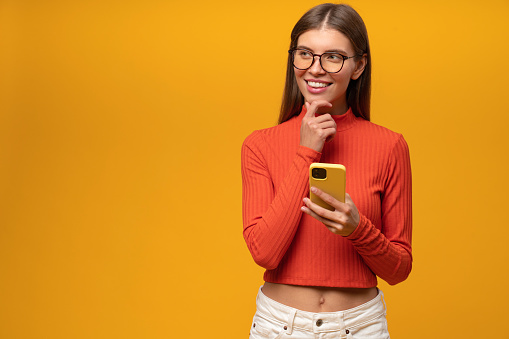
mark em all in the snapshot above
pixel 319 58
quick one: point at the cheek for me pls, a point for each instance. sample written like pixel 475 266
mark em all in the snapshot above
pixel 342 79
pixel 299 76
pixel 346 73
pixel 299 73
pixel 343 76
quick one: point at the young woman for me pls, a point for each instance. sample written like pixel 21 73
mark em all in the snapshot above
pixel 321 265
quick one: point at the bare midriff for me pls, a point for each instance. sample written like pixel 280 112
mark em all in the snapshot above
pixel 318 299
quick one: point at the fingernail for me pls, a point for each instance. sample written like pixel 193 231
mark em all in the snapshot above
pixel 313 189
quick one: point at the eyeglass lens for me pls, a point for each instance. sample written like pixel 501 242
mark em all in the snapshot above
pixel 331 62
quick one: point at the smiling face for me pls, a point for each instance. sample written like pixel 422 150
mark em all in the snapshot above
pixel 316 84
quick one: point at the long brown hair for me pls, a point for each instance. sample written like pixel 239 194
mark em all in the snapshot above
pixel 347 21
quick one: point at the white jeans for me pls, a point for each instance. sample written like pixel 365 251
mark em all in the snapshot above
pixel 275 321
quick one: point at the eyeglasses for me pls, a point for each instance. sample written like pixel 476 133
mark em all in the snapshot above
pixel 330 62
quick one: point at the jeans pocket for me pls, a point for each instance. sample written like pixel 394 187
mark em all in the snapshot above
pixel 373 328
pixel 263 328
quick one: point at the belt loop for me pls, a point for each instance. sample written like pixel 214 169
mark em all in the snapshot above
pixel 383 300
pixel 341 317
pixel 291 318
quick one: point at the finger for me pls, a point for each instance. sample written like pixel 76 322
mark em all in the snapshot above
pixel 329 128
pixel 338 205
pixel 348 203
pixel 324 117
pixel 330 137
pixel 331 225
pixel 324 124
pixel 321 103
pixel 309 112
pixel 315 105
pixel 352 211
pixel 320 211
pixel 330 133
pixel 348 199
pixel 323 129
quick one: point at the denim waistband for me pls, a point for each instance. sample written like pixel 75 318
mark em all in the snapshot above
pixel 323 321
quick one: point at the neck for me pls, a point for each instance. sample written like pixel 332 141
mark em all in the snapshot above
pixel 339 108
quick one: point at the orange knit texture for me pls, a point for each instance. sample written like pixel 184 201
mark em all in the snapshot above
pixel 299 250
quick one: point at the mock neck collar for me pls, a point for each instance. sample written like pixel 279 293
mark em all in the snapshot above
pixel 343 121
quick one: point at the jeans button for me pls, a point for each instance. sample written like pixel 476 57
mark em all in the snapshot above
pixel 319 322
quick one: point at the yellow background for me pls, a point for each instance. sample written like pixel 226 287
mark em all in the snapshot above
pixel 120 191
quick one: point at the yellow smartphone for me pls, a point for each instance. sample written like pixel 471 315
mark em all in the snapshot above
pixel 330 178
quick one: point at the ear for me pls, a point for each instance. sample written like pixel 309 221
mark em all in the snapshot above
pixel 359 66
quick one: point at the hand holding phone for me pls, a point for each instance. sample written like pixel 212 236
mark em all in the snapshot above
pixel 330 178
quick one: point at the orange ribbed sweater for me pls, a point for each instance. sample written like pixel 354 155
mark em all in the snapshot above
pixel 299 250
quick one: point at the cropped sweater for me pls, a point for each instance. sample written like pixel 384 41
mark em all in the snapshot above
pixel 295 248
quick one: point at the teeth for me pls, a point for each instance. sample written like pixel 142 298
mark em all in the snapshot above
pixel 317 84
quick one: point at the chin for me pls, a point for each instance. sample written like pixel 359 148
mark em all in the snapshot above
pixel 311 98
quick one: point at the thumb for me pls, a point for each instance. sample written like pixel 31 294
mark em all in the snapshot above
pixel 348 199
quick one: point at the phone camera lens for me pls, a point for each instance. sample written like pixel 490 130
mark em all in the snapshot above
pixel 319 173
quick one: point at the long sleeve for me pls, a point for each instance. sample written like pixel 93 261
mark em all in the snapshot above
pixel 388 252
pixel 271 216
pixel 297 249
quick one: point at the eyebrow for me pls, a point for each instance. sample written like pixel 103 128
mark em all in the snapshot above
pixel 340 51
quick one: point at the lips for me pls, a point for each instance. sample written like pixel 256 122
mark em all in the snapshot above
pixel 317 84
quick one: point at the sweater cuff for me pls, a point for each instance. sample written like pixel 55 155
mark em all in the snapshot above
pixel 309 154
pixel 360 236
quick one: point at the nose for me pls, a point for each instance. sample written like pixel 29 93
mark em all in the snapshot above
pixel 316 67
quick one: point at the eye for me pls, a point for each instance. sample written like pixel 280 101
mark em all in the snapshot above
pixel 304 54
pixel 333 57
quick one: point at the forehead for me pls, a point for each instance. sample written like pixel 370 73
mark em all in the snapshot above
pixel 322 40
